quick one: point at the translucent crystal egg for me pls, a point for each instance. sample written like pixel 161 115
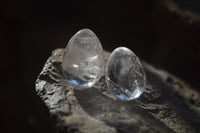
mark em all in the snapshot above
pixel 83 59
pixel 125 75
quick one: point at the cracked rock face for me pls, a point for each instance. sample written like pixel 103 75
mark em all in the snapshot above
pixel 167 105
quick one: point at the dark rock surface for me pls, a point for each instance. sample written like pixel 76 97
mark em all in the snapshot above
pixel 168 104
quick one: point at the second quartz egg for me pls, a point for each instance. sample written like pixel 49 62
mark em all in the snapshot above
pixel 125 75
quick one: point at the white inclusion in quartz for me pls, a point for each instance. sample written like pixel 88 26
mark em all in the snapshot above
pixel 125 75
pixel 83 59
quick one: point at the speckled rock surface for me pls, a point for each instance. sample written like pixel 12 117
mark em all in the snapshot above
pixel 167 105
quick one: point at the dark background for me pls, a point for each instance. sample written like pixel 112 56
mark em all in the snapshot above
pixel 31 29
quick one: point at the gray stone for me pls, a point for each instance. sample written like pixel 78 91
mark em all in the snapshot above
pixel 167 105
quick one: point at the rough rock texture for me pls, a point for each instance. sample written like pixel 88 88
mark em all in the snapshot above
pixel 167 105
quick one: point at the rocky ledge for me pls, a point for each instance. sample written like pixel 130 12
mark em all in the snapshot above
pixel 168 104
